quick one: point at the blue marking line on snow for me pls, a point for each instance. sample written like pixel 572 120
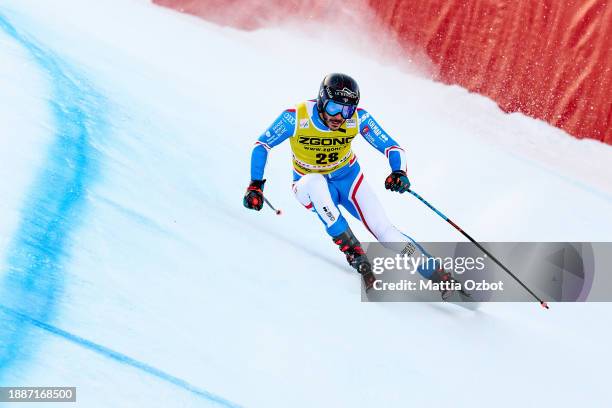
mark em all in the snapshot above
pixel 135 216
pixel 34 280
pixel 34 277
pixel 121 358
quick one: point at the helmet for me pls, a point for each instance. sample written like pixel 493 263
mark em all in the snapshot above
pixel 342 91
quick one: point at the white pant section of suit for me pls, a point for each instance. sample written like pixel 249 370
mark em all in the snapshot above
pixel 312 190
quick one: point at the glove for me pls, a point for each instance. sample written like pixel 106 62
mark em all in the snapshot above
pixel 253 198
pixel 397 181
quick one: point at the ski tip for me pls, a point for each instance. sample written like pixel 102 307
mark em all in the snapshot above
pixel 544 304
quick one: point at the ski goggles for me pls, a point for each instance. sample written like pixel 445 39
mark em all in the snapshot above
pixel 333 108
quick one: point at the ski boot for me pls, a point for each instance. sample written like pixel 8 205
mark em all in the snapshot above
pixel 356 257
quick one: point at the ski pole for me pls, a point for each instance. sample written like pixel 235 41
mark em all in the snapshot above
pixel 278 212
pixel 465 234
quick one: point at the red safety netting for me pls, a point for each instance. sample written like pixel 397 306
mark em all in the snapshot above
pixel 550 59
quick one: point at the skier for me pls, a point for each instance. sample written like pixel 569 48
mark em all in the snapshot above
pixel 326 172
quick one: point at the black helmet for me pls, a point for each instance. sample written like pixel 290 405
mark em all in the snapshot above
pixel 341 89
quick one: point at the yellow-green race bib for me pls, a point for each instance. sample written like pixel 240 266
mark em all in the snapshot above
pixel 320 151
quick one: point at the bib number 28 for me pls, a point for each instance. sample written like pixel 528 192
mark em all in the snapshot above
pixel 323 158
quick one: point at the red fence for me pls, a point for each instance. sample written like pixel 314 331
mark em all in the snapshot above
pixel 550 59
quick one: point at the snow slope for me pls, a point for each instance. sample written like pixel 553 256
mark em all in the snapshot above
pixel 132 271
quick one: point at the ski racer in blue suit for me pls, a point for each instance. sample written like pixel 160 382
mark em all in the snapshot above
pixel 326 172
